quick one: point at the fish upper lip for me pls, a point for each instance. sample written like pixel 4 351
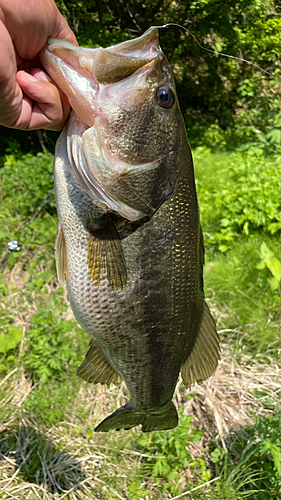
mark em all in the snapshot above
pixel 129 56
pixel 129 48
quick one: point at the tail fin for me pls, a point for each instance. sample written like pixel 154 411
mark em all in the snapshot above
pixel 160 418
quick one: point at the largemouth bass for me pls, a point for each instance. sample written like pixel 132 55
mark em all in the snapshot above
pixel 129 241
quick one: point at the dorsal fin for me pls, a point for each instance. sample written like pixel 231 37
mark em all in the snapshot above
pixel 95 367
pixel 203 359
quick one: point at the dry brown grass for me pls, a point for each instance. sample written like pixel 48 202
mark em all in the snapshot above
pixel 67 461
pixel 62 461
pixel 72 465
pixel 233 397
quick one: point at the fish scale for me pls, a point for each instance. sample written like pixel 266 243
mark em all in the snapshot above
pixel 129 241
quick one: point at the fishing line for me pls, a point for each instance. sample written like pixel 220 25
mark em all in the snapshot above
pixel 211 50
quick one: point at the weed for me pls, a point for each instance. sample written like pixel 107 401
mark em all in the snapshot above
pixel 53 345
pixel 244 199
pixel 256 471
pixel 169 456
pixel 239 199
pixel 237 286
pixel 27 180
pixel 273 264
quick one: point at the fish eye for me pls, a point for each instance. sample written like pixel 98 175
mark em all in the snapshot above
pixel 165 97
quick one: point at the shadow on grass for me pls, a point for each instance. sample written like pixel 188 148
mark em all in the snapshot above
pixel 38 461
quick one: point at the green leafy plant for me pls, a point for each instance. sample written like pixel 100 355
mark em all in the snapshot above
pixel 245 199
pixel 273 136
pixel 9 338
pixel 269 443
pixel 168 453
pixel 261 455
pixel 52 348
pixel 272 263
pixel 26 181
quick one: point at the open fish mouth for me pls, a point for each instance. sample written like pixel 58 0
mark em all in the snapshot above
pixel 103 85
pixel 113 63
pixel 85 75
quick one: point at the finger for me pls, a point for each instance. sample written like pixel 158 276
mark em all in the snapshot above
pixel 62 30
pixel 10 92
pixel 48 109
pixel 31 23
pixel 39 74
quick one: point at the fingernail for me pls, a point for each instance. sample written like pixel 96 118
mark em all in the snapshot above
pixel 40 75
pixel 28 77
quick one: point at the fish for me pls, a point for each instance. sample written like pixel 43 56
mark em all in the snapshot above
pixel 129 243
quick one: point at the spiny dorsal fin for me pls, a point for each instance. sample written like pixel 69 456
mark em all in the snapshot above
pixel 95 367
pixel 60 254
pixel 204 357
pixel 105 251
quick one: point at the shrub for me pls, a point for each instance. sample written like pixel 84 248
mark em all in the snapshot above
pixel 246 198
pixel 27 180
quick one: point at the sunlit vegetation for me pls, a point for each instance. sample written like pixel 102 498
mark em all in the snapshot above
pixel 228 443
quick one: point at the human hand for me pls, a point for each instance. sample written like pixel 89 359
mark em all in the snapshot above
pixel 29 99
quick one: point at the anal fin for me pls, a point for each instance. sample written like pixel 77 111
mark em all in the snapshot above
pixel 105 252
pixel 95 368
pixel 60 254
pixel 203 359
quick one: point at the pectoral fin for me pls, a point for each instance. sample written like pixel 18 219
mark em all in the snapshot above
pixel 95 368
pixel 203 359
pixel 60 254
pixel 105 252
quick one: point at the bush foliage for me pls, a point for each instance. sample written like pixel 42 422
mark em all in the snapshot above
pixel 227 104
pixel 245 195
pixel 214 91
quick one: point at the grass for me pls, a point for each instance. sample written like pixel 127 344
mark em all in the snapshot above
pixel 62 460
pixel 53 454
pixel 233 280
pixel 242 294
pixel 228 445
